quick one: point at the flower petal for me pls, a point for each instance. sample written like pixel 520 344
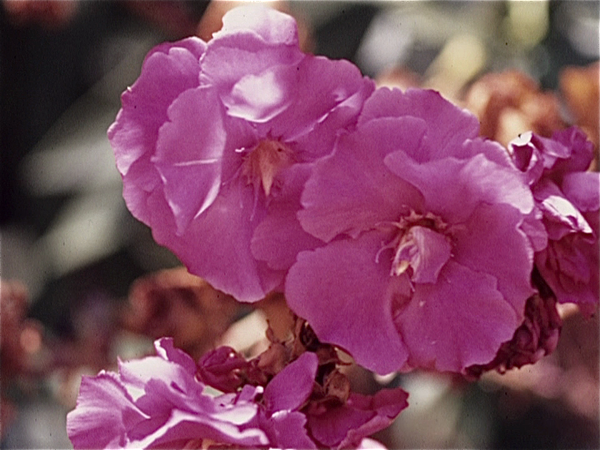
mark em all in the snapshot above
pixel 279 237
pixel 291 387
pixel 343 293
pixel 353 190
pixel 583 190
pixel 453 188
pixel 221 245
pixel 103 415
pixel 561 216
pixel 447 125
pixel 272 26
pixel 492 242
pixel 442 324
pixel 189 162
pixel 168 70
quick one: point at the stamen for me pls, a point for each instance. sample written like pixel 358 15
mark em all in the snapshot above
pixel 265 162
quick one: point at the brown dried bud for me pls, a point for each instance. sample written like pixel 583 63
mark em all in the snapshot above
pixel 337 386
pixel 12 314
pixel 510 103
pixel 183 306
pixel 580 87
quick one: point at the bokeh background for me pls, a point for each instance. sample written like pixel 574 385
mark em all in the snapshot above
pixel 67 237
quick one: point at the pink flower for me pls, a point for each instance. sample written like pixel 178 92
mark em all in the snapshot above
pixel 427 262
pixel 159 402
pixel 215 141
pixel 568 198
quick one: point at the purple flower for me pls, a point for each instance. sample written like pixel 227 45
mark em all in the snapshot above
pixel 427 262
pixel 292 418
pixel 215 141
pixel 568 199
pixel 159 402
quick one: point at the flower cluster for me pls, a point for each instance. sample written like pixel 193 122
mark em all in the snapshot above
pixel 391 226
pixel 165 401
pixel 568 199
pixel 214 142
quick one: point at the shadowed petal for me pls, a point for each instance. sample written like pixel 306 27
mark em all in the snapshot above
pixel 290 388
pixel 493 243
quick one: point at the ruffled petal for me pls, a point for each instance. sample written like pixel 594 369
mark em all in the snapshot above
pixel 231 57
pixel 346 426
pixel 104 414
pixel 561 217
pixel 353 190
pixel 287 429
pixel 168 70
pixel 460 321
pixel 182 427
pixel 453 188
pixel 447 125
pixel 321 110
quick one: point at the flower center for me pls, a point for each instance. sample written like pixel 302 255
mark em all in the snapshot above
pixel 421 247
pixel 262 165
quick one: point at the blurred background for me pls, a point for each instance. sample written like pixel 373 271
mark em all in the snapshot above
pixel 72 257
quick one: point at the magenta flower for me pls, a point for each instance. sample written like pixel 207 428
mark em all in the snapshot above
pixel 568 198
pixel 215 141
pixel 156 402
pixel 159 402
pixel 427 262
pixel 296 413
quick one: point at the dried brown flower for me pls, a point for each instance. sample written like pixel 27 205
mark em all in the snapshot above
pixel 510 103
pixel 182 306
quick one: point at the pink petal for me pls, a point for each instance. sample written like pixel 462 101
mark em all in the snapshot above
pixel 583 190
pixel 271 25
pixel 279 237
pixel 460 321
pixel 188 154
pixel 345 296
pixel 447 125
pixel 221 245
pixel 453 188
pixel 103 415
pixel 291 387
pixel 353 190
pixel 492 242
pixel 168 70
